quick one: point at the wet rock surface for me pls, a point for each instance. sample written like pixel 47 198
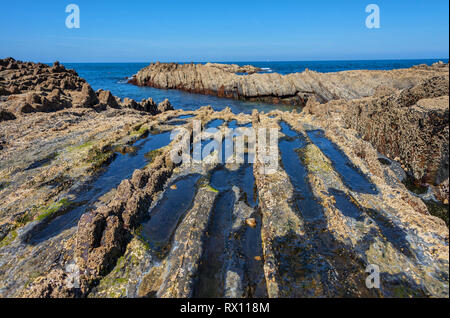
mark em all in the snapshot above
pixel 92 204
pixel 409 127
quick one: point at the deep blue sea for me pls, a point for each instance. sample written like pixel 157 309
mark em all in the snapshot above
pixel 113 77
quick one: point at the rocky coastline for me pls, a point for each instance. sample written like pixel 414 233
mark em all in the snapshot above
pixel 246 83
pixel 29 88
pixel 87 185
pixel 409 126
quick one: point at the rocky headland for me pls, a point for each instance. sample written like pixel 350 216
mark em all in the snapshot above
pixel 92 205
pixel 246 83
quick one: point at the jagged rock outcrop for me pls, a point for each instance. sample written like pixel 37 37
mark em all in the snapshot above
pixel 233 68
pixel 85 211
pixel 164 106
pixel 56 135
pixel 29 87
pixel 107 99
pixel 221 80
pixel 87 98
pixel 410 125
pixel 103 234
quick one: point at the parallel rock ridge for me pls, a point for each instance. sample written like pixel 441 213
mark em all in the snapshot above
pixel 409 125
pixel 301 254
pixel 88 187
pixel 228 81
pixel 56 136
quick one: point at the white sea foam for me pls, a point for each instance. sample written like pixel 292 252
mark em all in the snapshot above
pixel 125 80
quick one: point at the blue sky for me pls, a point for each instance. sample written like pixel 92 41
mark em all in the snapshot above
pixel 189 30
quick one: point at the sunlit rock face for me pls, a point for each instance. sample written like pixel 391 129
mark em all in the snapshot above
pixel 233 81
pixel 93 204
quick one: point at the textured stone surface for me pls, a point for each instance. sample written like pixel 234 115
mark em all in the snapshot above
pixel 409 125
pixel 290 89
pixel 276 247
pixel 31 87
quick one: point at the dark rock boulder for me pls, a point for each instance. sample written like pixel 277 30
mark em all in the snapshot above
pixel 149 106
pixel 106 98
pixel 27 109
pixel 5 115
pixel 87 98
pixel 4 91
pixel 165 106
pixel 130 103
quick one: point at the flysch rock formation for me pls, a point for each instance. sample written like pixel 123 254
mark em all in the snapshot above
pixel 295 89
pixel 82 214
pixel 409 126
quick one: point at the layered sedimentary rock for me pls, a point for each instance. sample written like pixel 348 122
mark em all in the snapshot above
pixel 92 204
pixel 56 136
pixel 276 248
pixel 296 89
pixel 409 125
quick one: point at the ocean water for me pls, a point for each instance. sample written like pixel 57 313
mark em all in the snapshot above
pixel 337 66
pixel 113 77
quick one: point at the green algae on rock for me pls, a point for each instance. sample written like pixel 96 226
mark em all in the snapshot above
pixel 313 230
pixel 53 209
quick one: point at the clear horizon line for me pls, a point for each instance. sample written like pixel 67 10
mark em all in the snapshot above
pixel 249 61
